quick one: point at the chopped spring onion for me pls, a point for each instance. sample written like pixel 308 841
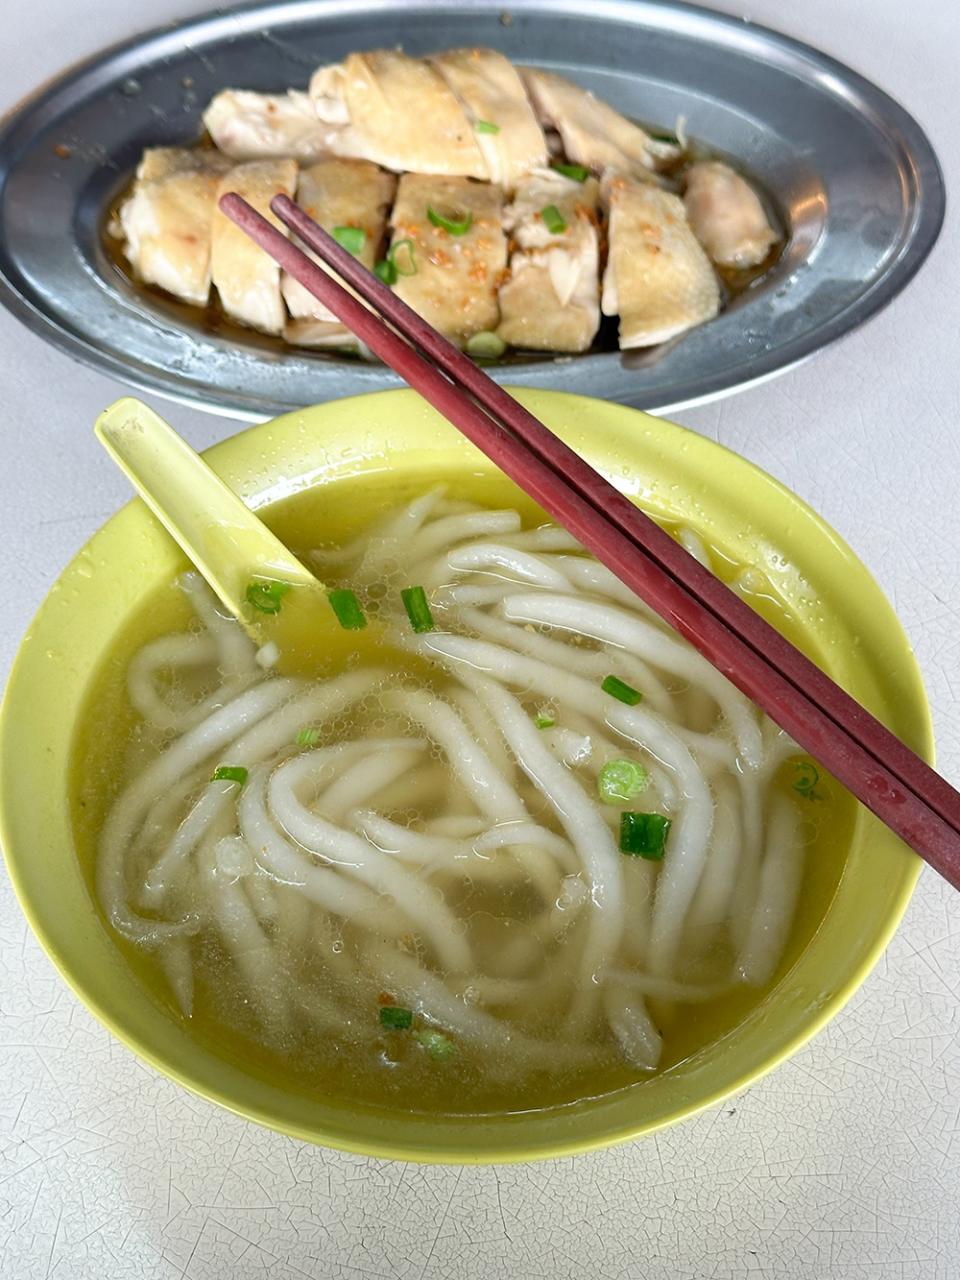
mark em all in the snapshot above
pixel 809 776
pixel 346 606
pixel 621 690
pixel 395 1018
pixel 544 722
pixel 666 137
pixel 553 220
pixel 402 258
pixel 230 773
pixel 308 737
pixel 350 238
pixel 385 270
pixel 486 126
pixel 620 780
pixel 485 345
pixel 578 172
pixel 457 226
pixel 436 1044
pixel 644 835
pixel 265 596
pixel 398 262
pixel 418 610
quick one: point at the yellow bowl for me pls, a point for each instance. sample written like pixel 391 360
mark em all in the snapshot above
pixel 839 611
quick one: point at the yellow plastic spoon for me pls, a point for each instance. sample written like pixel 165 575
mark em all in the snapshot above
pixel 275 598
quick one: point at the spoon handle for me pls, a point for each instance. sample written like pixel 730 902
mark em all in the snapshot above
pixel 223 538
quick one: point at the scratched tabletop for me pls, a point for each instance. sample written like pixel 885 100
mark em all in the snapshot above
pixel 844 1164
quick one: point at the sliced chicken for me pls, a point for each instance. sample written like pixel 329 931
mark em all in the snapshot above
pixel 551 300
pixel 727 216
pixel 167 220
pixel 247 280
pixel 593 133
pixel 398 112
pixel 490 90
pixel 337 194
pixel 658 278
pixel 265 126
pixel 450 279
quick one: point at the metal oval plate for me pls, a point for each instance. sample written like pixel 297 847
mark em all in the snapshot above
pixel 857 182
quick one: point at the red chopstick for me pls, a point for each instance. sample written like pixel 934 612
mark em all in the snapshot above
pixel 890 779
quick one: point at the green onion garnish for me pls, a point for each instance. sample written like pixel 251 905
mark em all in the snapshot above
pixel 486 126
pixel 578 172
pixel 399 261
pixel 436 1044
pixel 230 773
pixel 418 611
pixel 619 689
pixel 485 345
pixel 553 219
pixel 405 264
pixel 350 238
pixel 544 722
pixel 308 737
pixel 808 779
pixel 265 596
pixel 346 606
pixel 456 226
pixel 644 835
pixel 665 137
pixel 385 270
pixel 397 1019
pixel 620 780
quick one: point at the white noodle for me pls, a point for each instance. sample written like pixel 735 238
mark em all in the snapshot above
pixel 777 895
pixel 177 965
pixel 127 813
pixel 489 789
pixel 688 840
pixel 365 861
pixel 490 557
pixel 614 626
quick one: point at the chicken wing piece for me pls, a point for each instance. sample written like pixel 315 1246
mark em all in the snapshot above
pixel 450 279
pixel 727 216
pixel 593 133
pixel 247 280
pixel 489 88
pixel 658 278
pixel 265 126
pixel 167 220
pixel 550 302
pixel 396 111
pixel 338 194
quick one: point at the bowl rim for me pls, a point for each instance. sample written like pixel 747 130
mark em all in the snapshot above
pixel 233 452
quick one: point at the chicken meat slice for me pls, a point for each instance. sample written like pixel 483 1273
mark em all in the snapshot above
pixel 247 279
pixel 336 193
pixel 593 134
pixel 450 279
pixel 397 112
pixel 658 278
pixel 726 215
pixel 551 300
pixel 490 90
pixel 266 126
pixel 167 220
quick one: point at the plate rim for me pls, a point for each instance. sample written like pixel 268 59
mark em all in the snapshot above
pixel 923 207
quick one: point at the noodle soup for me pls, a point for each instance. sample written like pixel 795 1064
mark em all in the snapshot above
pixel 528 847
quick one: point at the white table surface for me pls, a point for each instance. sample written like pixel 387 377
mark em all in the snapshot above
pixel 842 1165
